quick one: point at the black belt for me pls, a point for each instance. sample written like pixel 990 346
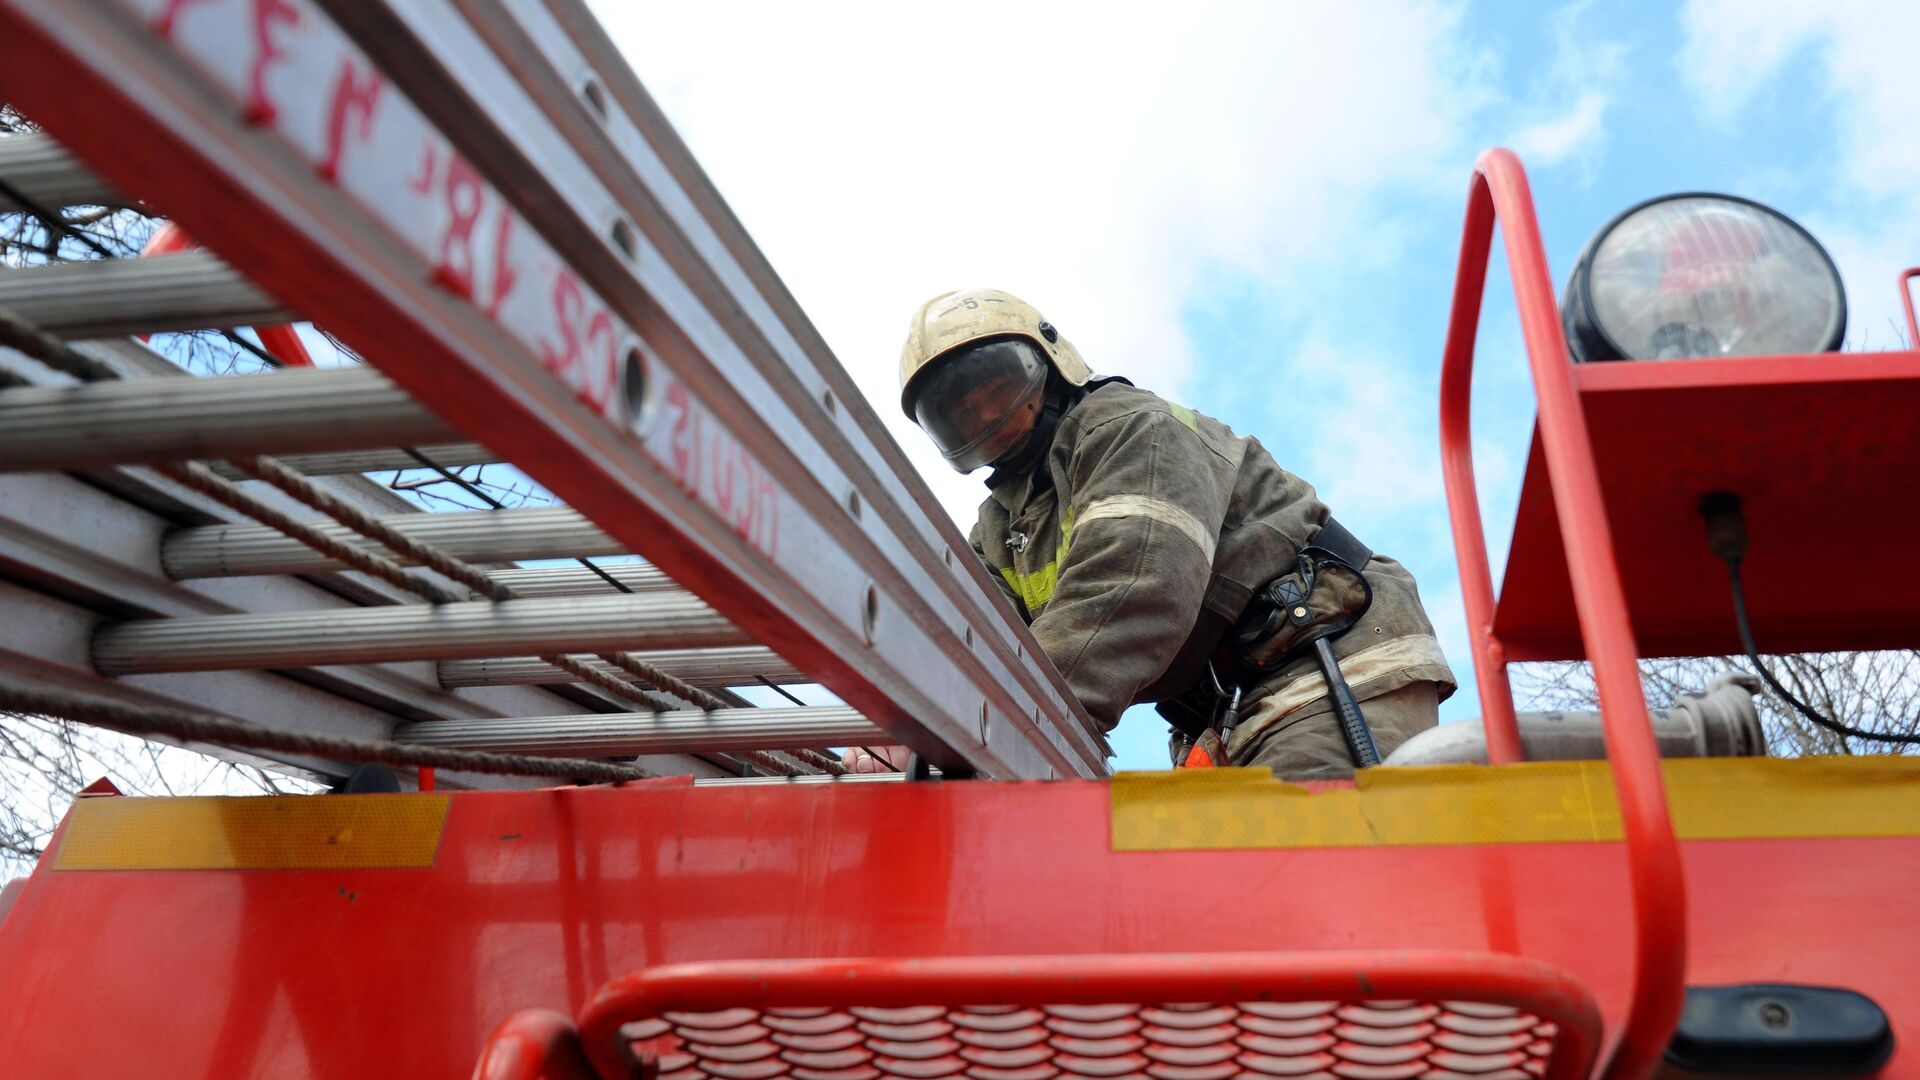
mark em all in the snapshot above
pixel 1334 539
pixel 1190 711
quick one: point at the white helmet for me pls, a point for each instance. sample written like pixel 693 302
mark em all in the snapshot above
pixel 973 372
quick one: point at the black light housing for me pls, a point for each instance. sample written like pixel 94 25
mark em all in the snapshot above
pixel 1702 275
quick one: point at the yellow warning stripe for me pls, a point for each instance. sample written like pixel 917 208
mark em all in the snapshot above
pixel 1547 802
pixel 305 832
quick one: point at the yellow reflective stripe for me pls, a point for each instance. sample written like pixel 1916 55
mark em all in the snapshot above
pixel 1036 588
pixel 301 832
pixel 1372 662
pixel 1544 802
pixel 1185 416
pixel 1125 506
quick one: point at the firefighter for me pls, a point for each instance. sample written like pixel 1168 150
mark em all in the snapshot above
pixel 1138 539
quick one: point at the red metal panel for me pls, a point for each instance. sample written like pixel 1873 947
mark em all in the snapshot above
pixel 1823 452
pixel 537 899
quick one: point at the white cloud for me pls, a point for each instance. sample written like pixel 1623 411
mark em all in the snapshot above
pixel 1869 84
pixel 1567 117
pixel 1733 46
pixel 1864 49
pixel 1554 141
pixel 1367 444
pixel 1096 161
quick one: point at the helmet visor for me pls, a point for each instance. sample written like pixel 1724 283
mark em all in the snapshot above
pixel 979 401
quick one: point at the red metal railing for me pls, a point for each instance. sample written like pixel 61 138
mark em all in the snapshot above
pixel 531 1045
pixel 725 1003
pixel 1906 301
pixel 281 342
pixel 1500 193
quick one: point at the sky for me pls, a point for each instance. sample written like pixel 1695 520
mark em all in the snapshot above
pixel 1254 208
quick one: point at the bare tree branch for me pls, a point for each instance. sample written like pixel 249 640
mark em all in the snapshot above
pixel 1872 691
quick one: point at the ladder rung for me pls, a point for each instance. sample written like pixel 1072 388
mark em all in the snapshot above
pixel 300 639
pixel 584 581
pixel 192 290
pixel 141 420
pixel 40 169
pixel 754 781
pixel 709 668
pixel 624 734
pixel 477 535
pixel 445 455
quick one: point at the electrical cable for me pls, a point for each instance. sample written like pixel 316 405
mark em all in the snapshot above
pixel 1780 691
pixel 1727 537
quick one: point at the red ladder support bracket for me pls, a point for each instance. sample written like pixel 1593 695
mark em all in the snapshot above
pixel 1500 193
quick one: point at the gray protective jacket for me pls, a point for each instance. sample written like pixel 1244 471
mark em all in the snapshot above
pixel 1139 539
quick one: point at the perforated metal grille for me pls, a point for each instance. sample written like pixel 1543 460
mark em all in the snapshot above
pixel 1375 1040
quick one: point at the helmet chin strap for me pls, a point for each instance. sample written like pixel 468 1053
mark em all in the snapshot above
pixel 1022 459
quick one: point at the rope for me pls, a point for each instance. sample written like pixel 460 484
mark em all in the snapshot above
pixel 207 482
pixel 187 725
pixel 211 484
pixel 824 762
pixel 25 337
pixel 620 688
pixel 766 761
pixel 674 685
pixel 459 570
pixel 293 483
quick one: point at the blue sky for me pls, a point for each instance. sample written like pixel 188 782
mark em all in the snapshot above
pixel 1256 209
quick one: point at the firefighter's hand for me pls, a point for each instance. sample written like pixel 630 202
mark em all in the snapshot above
pixel 890 759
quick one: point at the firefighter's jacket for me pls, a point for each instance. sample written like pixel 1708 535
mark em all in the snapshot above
pixel 1139 540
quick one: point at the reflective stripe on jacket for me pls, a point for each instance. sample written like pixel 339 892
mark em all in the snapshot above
pixel 1142 535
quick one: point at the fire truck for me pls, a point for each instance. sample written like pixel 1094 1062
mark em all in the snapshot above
pixel 605 862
